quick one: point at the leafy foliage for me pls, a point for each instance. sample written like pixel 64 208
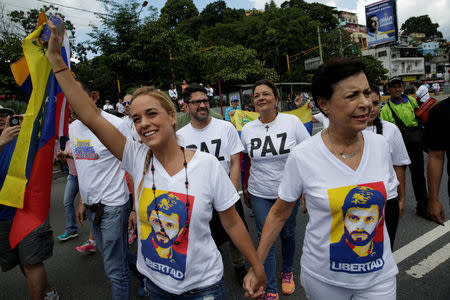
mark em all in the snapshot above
pixel 421 24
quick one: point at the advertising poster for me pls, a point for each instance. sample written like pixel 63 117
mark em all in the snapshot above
pixel 381 23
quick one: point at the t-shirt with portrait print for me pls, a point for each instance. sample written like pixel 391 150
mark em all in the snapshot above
pixel 178 258
pixel 268 146
pixel 346 242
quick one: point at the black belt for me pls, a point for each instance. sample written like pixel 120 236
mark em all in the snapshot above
pixel 98 210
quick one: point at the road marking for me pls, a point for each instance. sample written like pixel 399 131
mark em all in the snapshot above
pixel 419 243
pixel 429 263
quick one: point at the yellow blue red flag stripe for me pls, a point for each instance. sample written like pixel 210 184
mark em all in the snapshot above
pixel 27 185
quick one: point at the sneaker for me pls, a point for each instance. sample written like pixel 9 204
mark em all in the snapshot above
pixel 87 246
pixel 287 283
pixel 271 296
pixel 66 236
pixel 131 237
pixel 52 295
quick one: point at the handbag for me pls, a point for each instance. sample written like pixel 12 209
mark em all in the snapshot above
pixel 413 136
pixel 424 109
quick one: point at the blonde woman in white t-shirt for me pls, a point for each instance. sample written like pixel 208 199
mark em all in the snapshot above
pixel 346 176
pixel 400 159
pixel 267 142
pixel 176 193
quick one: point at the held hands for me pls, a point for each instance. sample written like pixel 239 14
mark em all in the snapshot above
pixel 255 283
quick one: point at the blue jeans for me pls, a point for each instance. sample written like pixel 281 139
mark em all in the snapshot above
pixel 261 208
pixel 111 238
pixel 211 292
pixel 70 193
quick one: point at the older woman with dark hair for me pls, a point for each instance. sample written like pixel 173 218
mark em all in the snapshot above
pixel 268 141
pixel 346 176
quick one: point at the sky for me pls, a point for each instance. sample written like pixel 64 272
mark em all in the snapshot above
pixel 438 11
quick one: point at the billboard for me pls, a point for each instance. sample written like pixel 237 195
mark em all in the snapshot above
pixel 381 23
pixel 312 63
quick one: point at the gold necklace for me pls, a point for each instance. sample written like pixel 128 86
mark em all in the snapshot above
pixel 341 154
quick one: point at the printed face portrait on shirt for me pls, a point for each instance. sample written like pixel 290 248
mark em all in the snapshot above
pixel 162 232
pixel 356 241
pixel 168 221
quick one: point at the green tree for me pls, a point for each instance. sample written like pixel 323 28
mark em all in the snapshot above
pixel 235 65
pixel 422 24
pixel 175 11
pixel 25 21
pixel 375 71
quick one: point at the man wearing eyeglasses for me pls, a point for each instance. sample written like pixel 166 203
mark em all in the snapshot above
pixel 221 139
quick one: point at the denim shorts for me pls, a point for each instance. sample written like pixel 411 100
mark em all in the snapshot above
pixel 215 291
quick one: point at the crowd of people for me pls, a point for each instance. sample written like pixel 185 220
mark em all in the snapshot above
pixel 176 184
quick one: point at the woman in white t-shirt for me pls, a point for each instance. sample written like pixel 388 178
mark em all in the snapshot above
pixel 177 192
pixel 399 157
pixel 346 177
pixel 267 142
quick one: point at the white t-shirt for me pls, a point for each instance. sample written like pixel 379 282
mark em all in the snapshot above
pixel 210 91
pixel 195 261
pixel 173 93
pixel 397 148
pixel 120 108
pixel 321 118
pixel 100 176
pixel 422 93
pixel 131 128
pixel 107 106
pixel 330 188
pixel 219 138
pixel 268 146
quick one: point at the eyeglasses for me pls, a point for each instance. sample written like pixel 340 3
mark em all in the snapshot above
pixel 198 102
pixel 126 103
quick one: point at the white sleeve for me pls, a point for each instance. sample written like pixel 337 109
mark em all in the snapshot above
pixel 291 186
pixel 235 143
pixel 223 191
pixel 243 137
pixel 133 158
pixel 301 133
pixel 319 117
pixel 399 154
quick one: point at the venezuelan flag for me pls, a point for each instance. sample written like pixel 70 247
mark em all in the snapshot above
pixel 241 117
pixel 27 185
pixel 304 113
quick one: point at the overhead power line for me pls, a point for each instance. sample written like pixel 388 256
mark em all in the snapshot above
pixel 71 7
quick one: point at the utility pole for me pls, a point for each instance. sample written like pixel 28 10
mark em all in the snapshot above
pixel 320 45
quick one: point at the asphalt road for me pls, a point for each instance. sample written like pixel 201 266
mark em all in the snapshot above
pixel 424 269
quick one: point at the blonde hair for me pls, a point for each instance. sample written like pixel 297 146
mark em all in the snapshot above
pixel 162 97
pixel 168 106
